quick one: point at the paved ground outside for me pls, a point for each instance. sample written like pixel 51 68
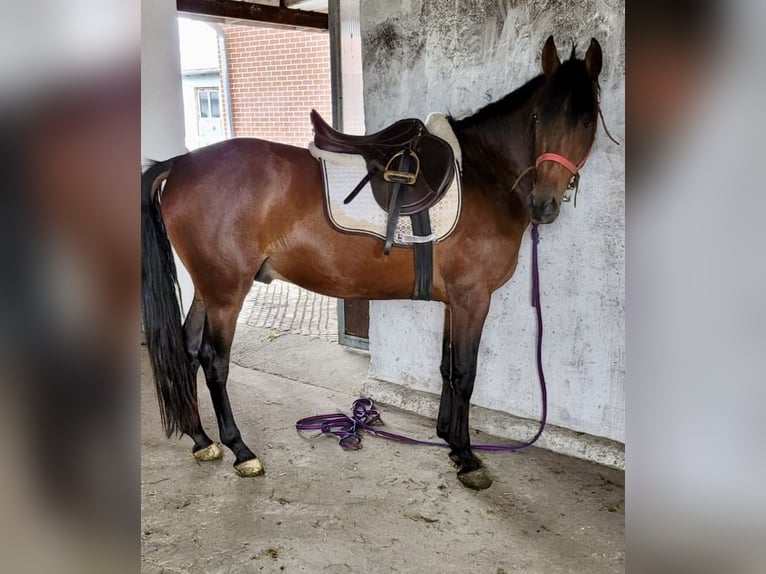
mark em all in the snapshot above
pixel 286 308
pixel 388 507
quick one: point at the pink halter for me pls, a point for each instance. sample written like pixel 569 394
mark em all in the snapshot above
pixel 572 168
pixel 560 159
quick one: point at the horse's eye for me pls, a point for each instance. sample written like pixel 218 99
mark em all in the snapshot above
pixel 587 122
pixel 534 118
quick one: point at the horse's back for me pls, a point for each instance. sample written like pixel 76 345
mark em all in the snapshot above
pixel 223 179
pixel 241 160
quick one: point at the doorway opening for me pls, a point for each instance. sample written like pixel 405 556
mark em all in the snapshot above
pixel 243 80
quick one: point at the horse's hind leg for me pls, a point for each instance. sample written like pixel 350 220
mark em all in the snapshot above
pixel 204 448
pixel 468 315
pixel 214 357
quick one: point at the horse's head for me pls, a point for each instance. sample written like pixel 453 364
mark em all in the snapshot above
pixel 563 127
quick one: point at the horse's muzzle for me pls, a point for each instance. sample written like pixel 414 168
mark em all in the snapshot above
pixel 545 211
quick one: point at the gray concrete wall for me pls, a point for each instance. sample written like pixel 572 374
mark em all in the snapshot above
pixel 429 55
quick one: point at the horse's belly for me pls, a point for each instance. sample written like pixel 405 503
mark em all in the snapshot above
pixel 344 266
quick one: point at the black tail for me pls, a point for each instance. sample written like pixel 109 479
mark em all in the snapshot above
pixel 161 312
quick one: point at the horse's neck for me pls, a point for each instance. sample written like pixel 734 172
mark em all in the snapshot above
pixel 495 150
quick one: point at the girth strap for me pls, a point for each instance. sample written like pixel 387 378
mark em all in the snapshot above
pixel 424 257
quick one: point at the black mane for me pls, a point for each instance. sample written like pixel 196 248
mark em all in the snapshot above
pixel 499 110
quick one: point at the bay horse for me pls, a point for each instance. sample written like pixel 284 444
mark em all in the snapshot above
pixel 248 209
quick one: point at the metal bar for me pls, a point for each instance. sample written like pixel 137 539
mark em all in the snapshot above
pixel 337 40
pixel 336 83
pixel 336 89
pixel 229 9
pixel 225 79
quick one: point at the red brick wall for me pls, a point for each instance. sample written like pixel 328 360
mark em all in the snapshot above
pixel 276 77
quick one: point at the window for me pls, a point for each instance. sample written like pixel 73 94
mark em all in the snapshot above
pixel 208 103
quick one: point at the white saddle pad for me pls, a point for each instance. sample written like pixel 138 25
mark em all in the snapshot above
pixel 342 172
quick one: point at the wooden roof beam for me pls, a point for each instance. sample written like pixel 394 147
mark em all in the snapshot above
pixel 231 10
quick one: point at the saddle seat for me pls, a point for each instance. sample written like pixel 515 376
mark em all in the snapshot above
pixel 396 136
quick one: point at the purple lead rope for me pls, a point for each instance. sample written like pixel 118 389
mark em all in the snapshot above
pixel 364 415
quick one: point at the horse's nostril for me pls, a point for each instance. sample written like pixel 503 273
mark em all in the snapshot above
pixel 542 209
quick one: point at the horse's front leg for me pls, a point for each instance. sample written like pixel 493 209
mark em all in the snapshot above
pixel 468 315
pixel 445 405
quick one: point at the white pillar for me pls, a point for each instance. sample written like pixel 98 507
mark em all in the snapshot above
pixel 162 112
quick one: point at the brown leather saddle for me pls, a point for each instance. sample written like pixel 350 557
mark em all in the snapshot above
pixel 408 168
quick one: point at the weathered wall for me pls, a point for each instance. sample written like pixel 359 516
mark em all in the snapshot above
pixel 428 55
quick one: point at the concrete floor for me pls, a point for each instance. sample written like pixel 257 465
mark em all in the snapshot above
pixel 385 508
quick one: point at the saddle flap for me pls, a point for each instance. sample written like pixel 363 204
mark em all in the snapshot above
pixel 437 169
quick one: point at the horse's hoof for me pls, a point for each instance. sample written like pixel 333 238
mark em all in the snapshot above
pixel 475 479
pixel 252 467
pixel 210 452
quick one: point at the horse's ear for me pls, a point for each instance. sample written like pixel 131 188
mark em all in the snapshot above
pixel 550 57
pixel 593 59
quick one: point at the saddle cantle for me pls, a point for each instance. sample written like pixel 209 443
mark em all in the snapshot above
pixel 409 169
